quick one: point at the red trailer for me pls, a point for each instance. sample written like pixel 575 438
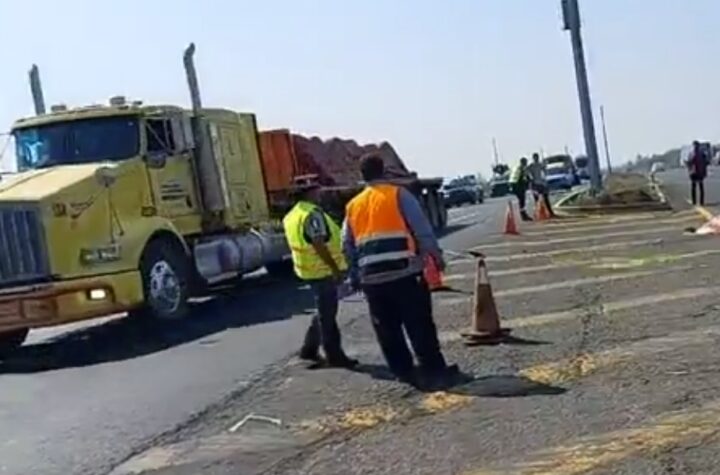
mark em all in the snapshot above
pixel 337 164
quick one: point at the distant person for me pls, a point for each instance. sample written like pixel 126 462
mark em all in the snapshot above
pixel 538 183
pixel 697 164
pixel 316 247
pixel 386 237
pixel 519 184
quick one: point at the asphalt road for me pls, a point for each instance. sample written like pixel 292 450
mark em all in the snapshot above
pixel 80 399
pixel 677 186
pixel 611 368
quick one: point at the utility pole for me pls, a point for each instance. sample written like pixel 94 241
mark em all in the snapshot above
pixel 605 139
pixel 495 151
pixel 571 19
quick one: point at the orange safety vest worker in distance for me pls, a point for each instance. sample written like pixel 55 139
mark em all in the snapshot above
pixel 382 238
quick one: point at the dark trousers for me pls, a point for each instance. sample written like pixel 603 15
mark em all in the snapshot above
pixel 400 307
pixel 540 191
pixel 520 191
pixel 324 329
pixel 697 183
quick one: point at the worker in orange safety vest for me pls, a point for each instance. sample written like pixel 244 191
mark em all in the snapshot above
pixel 386 236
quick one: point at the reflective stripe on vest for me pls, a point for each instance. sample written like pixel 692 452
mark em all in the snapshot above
pixel 307 263
pixel 383 240
pixel 515 174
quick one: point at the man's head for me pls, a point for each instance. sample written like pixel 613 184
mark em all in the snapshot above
pixel 523 162
pixel 536 158
pixel 372 167
pixel 696 145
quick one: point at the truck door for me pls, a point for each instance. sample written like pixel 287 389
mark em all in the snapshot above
pixel 170 167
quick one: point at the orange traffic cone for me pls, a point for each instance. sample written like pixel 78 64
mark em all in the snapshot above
pixel 510 226
pixel 433 274
pixel 485 323
pixel 542 213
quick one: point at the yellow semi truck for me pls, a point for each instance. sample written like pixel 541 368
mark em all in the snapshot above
pixel 125 207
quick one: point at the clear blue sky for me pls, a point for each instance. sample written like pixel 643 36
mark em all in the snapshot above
pixel 436 79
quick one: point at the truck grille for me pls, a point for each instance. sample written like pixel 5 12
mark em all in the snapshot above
pixel 22 246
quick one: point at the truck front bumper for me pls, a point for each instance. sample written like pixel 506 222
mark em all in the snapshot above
pixel 66 301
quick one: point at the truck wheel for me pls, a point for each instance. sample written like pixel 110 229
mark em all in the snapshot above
pixel 443 214
pixel 433 210
pixel 282 268
pixel 165 271
pixel 11 341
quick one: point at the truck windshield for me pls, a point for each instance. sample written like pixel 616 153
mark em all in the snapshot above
pixel 76 142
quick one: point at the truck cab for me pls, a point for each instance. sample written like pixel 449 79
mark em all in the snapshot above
pixel 110 212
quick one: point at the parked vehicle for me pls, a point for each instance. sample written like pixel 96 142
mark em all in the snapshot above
pixel 132 207
pixel 465 190
pixel 582 166
pixel 560 172
pixel 500 181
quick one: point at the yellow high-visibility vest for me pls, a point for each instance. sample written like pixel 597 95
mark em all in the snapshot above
pixel 307 263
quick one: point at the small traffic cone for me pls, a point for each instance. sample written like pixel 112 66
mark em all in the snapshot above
pixel 510 225
pixel 485 323
pixel 542 213
pixel 433 274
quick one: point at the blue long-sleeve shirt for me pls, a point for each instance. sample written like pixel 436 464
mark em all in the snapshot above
pixel 419 226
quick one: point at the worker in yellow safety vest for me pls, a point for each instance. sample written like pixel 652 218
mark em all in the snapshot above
pixel 314 240
pixel 519 184
pixel 386 236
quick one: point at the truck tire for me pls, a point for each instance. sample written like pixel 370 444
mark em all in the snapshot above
pixel 433 210
pixel 165 271
pixel 11 341
pixel 282 268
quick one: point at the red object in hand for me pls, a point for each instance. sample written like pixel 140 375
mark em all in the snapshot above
pixel 432 273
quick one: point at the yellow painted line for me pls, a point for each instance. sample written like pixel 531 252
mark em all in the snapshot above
pixel 599 263
pixel 571 250
pixel 571 369
pixel 600 227
pixel 607 309
pixel 598 451
pixel 588 237
pixel 368 417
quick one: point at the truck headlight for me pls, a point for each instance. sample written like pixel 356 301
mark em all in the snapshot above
pixel 97 255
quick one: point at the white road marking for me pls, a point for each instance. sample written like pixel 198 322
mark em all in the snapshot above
pixel 600 263
pixel 583 249
pixel 589 237
pixel 599 227
pixel 566 284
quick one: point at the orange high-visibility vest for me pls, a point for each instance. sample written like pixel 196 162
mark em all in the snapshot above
pixel 383 241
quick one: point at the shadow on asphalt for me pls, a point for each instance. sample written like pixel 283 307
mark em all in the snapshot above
pixel 469 385
pixel 505 386
pixel 254 302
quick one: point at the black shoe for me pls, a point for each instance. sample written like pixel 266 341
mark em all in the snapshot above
pixel 436 380
pixel 525 216
pixel 342 362
pixel 308 354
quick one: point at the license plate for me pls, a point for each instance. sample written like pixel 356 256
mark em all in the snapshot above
pixel 9 309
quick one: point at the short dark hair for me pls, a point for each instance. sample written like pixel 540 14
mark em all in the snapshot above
pixel 372 167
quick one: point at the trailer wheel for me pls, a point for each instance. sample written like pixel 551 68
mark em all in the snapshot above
pixel 11 341
pixel 165 272
pixel 433 210
pixel 282 268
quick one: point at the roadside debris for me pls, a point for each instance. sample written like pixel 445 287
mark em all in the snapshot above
pixel 254 417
